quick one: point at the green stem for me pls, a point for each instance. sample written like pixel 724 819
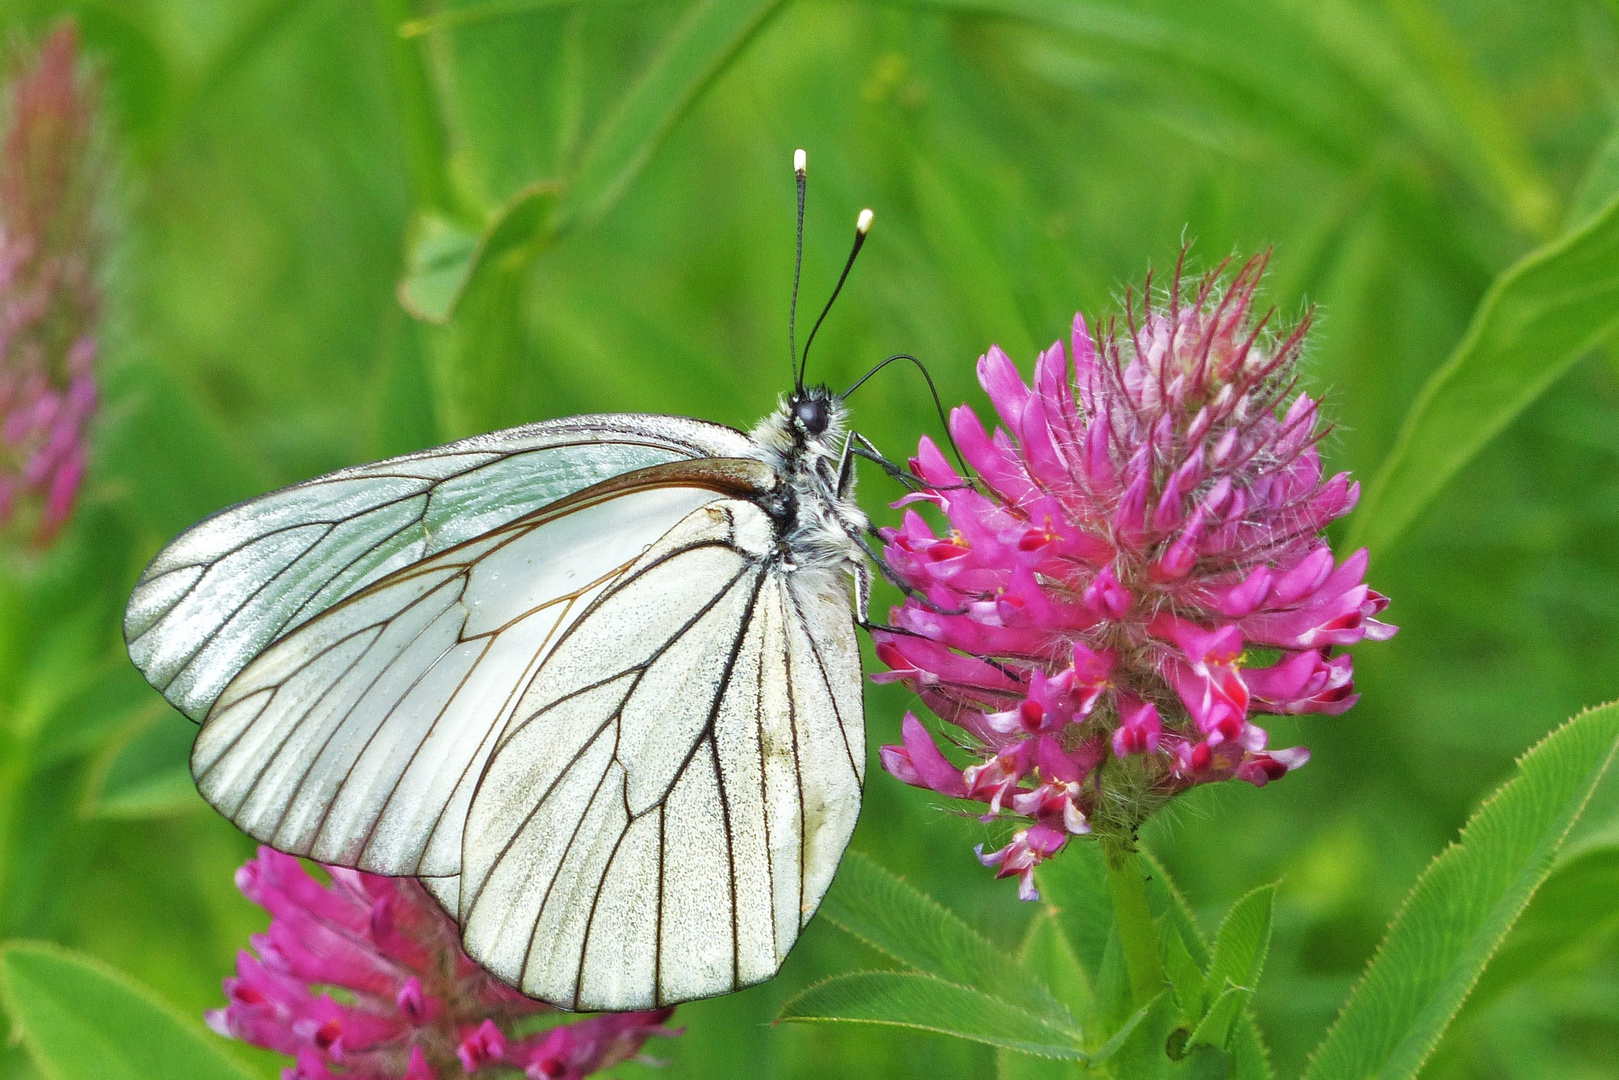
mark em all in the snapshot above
pixel 1134 920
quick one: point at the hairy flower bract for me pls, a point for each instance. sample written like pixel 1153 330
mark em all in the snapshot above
pixel 365 979
pixel 1137 570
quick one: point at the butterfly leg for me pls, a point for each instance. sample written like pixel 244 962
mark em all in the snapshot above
pixel 862 593
pixel 860 446
pixel 895 580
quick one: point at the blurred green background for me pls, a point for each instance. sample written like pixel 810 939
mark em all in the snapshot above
pixel 280 161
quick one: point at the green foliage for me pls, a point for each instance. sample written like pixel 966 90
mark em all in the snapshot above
pixel 1539 317
pixel 895 919
pixel 960 984
pixel 928 1003
pixel 687 60
pixel 84 1021
pixel 1241 944
pixel 1047 955
pixel 1465 904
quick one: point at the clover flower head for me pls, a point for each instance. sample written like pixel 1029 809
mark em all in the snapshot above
pixel 49 301
pixel 1137 571
pixel 364 979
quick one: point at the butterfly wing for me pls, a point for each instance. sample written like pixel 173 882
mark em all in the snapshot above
pixel 228 587
pixel 358 737
pixel 358 647
pixel 670 800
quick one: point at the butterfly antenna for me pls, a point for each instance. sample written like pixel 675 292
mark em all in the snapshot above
pixel 862 226
pixel 938 405
pixel 801 175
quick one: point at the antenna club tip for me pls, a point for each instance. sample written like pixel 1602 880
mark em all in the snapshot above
pixel 800 162
pixel 862 224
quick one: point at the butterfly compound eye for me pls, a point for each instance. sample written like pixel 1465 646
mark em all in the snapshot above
pixel 813 414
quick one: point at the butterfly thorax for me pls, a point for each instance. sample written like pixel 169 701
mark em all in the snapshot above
pixel 802 439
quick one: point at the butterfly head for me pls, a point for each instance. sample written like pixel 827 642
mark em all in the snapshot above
pixel 805 426
pixel 813 411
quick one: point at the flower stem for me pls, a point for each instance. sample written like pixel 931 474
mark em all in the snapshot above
pixel 1134 920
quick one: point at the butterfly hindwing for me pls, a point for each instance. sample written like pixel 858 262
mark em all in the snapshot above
pixel 668 804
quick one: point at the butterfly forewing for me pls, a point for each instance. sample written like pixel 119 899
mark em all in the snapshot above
pixel 357 739
pixel 666 808
pixel 228 587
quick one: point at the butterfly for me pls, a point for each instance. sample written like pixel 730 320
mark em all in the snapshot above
pixel 595 682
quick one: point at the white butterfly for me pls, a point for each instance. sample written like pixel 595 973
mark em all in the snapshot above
pixel 594 681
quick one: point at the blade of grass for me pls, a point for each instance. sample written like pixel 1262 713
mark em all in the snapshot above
pixel 696 51
pixel 1538 317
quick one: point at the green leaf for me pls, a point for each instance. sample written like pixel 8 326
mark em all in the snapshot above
pixel 1047 955
pixel 1574 905
pixel 1249 1059
pixel 446 260
pixel 1215 1027
pixel 1599 184
pixel 437 268
pixel 894 918
pixel 81 1020
pixel 148 773
pixel 696 51
pixel 1536 319
pixel 1075 885
pixel 1241 944
pixel 1142 1052
pixel 1464 905
pixel 1075 888
pixel 1185 977
pixel 1114 996
pixel 421 120
pixel 926 1003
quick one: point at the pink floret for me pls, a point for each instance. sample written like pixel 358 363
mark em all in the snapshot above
pixel 364 979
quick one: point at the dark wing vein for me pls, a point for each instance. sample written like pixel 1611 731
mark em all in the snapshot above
pixel 798 770
pixel 635 671
pixel 312 759
pixel 826 681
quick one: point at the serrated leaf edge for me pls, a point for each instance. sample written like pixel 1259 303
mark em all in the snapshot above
pixel 1079 1054
pixel 1454 844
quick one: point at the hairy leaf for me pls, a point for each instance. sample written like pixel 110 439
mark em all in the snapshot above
pixel 1047 955
pixel 894 918
pixel 1464 905
pixel 1215 1027
pixel 1241 944
pixel 927 1003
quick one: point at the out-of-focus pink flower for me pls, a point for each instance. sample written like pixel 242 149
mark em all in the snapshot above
pixel 364 979
pixel 1148 515
pixel 49 303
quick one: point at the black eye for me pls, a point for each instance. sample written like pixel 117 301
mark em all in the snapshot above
pixel 813 414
